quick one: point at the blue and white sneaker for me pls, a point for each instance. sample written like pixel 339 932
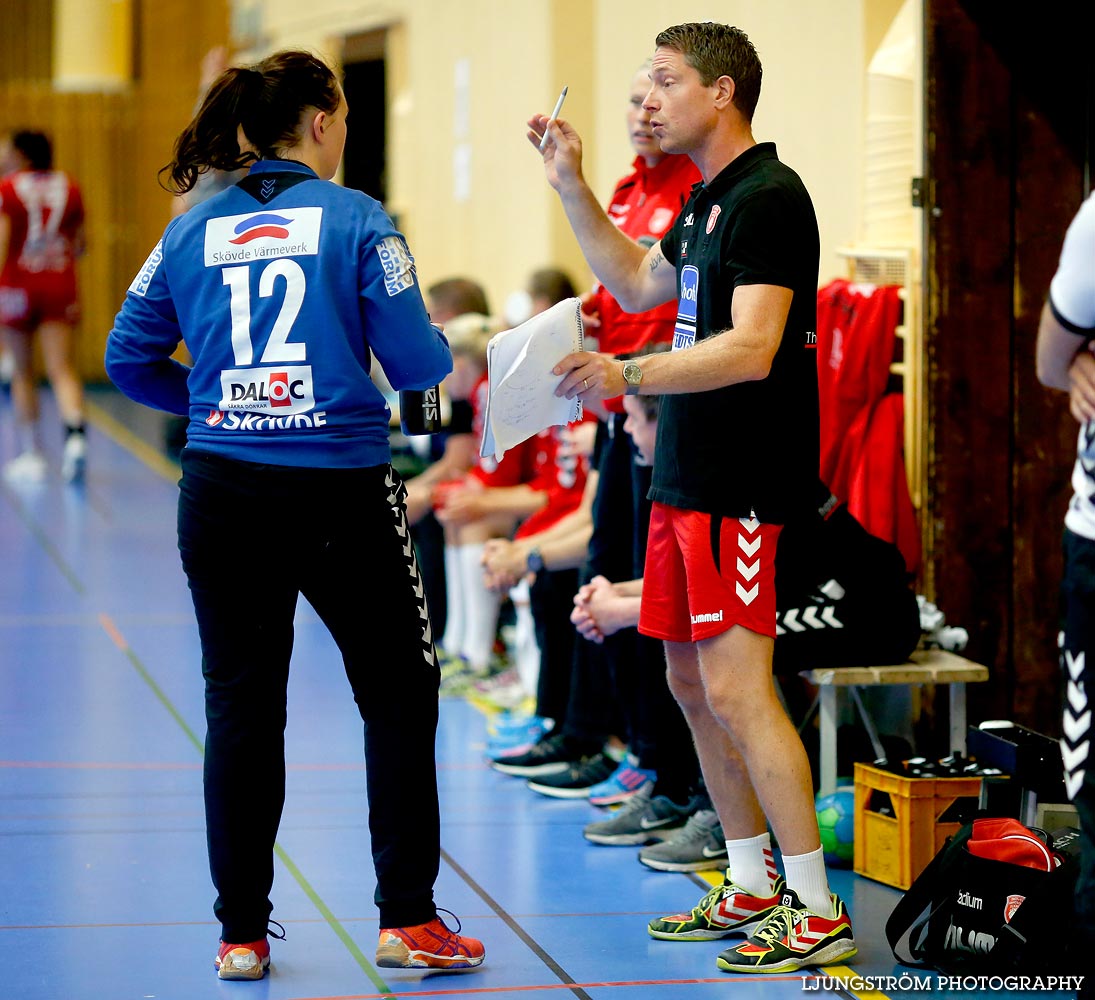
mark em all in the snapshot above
pixel 505 723
pixel 627 780
pixel 517 736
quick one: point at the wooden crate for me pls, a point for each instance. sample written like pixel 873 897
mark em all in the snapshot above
pixel 896 848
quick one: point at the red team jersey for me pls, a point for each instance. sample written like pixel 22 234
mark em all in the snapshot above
pixel 535 463
pixel 563 479
pixel 513 468
pixel 45 213
pixel 643 206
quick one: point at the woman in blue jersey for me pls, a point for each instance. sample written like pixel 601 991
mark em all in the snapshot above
pixel 283 288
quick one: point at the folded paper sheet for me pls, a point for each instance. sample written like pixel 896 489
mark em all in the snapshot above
pixel 521 398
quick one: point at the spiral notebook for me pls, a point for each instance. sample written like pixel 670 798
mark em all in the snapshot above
pixel 521 398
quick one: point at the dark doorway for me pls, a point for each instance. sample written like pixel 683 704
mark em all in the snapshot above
pixel 364 164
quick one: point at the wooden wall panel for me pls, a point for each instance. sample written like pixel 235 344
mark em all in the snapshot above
pixel 968 324
pixel 172 38
pixel 1007 106
pixel 26 41
pixel 112 143
pixel 1048 191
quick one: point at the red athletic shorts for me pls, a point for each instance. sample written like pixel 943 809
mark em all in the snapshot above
pixel 42 297
pixel 705 573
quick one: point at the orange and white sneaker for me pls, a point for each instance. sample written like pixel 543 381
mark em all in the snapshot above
pixel 428 946
pixel 793 936
pixel 725 910
pixel 243 961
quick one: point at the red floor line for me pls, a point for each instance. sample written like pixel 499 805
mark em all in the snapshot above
pixel 102 765
pixel 319 920
pixel 482 991
pixel 107 765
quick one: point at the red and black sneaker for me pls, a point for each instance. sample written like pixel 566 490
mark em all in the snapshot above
pixel 792 937
pixel 428 946
pixel 725 910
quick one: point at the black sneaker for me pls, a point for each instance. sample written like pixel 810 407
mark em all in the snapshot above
pixel 552 754
pixel 575 781
pixel 640 820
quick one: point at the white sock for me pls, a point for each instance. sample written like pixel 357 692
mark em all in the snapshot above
pixel 27 435
pixel 453 639
pixel 526 651
pixel 481 608
pixel 751 864
pixel 807 876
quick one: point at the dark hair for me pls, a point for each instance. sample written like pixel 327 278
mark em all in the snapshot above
pixel 552 284
pixel 715 50
pixel 456 296
pixel 267 101
pixel 34 147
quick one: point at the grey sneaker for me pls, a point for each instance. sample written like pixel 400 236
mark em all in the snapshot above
pixel 642 819
pixel 698 847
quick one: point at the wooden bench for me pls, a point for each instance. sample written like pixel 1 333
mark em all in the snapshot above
pixel 925 666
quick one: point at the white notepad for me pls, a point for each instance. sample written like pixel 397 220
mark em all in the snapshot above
pixel 521 398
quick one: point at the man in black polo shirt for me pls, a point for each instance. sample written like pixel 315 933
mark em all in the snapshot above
pixel 736 458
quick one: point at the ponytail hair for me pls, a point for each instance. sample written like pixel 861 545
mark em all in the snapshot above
pixel 266 102
pixel 34 147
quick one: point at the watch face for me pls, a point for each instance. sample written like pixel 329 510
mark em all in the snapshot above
pixel 633 374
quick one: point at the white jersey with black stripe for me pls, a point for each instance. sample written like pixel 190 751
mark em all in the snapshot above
pixel 1072 299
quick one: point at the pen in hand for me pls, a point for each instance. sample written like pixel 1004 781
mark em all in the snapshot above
pixel 554 115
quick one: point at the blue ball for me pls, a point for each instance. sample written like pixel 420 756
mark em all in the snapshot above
pixel 836 824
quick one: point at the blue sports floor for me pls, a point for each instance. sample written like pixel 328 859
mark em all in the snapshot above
pixel 104 887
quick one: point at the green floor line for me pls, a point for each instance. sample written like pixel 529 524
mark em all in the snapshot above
pixel 122 436
pixel 333 922
pixel 164 700
pixel 43 539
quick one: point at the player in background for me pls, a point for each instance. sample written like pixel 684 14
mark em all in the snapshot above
pixel 41 236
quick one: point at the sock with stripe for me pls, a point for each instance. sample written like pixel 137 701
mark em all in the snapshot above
pixel 751 864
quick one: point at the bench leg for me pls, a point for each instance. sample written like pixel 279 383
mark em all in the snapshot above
pixel 827 725
pixel 868 724
pixel 957 696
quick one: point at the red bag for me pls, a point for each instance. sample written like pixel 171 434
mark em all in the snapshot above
pixel 1003 839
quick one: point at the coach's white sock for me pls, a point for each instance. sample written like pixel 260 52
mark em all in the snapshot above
pixel 526 651
pixel 26 433
pixel 751 864
pixel 453 639
pixel 481 608
pixel 806 875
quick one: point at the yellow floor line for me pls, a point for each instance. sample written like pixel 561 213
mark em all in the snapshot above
pixel 123 436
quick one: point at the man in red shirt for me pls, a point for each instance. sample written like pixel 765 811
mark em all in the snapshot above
pixel 41 235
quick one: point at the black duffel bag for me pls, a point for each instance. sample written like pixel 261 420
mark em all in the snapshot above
pixel 997 899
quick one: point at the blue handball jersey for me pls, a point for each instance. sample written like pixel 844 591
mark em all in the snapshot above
pixel 282 288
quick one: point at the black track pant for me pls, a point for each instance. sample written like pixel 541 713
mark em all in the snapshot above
pixel 1078 667
pixel 253 538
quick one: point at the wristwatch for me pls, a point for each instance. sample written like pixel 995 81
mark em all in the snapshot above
pixel 633 376
pixel 534 562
